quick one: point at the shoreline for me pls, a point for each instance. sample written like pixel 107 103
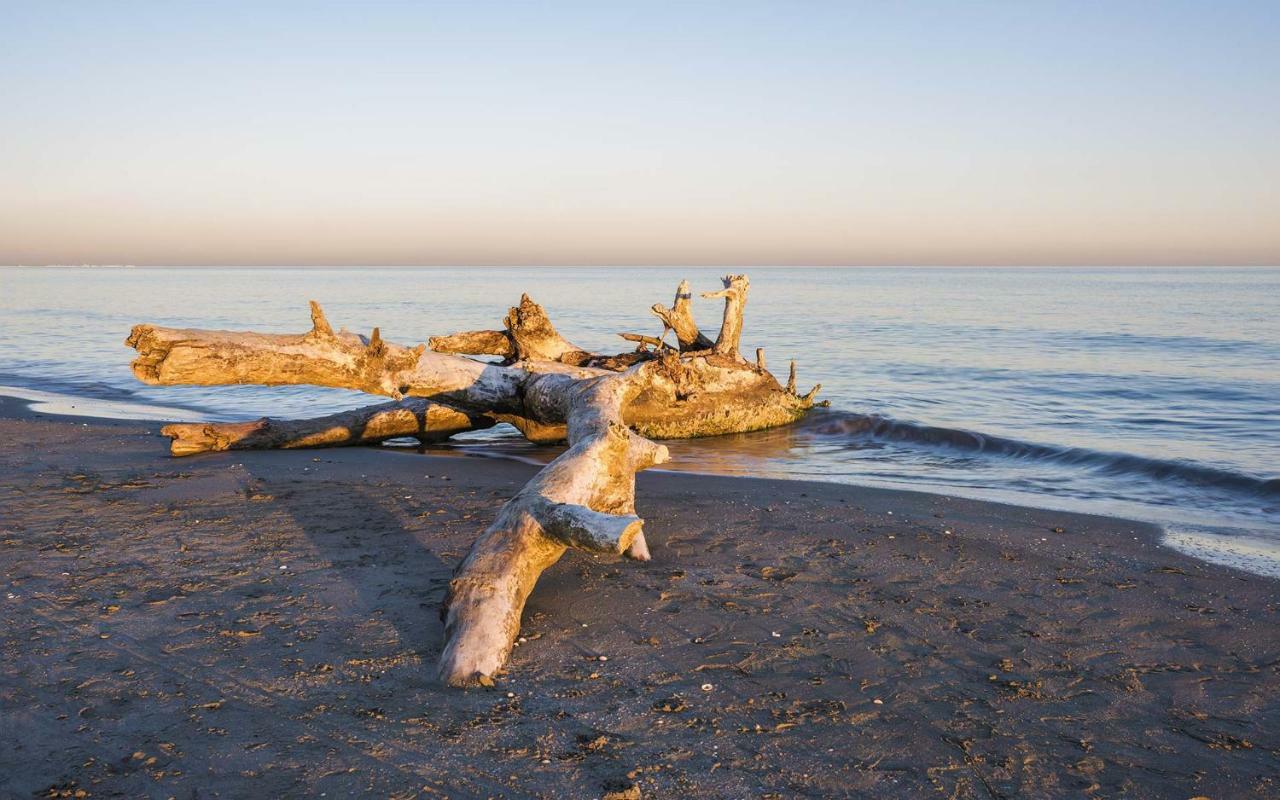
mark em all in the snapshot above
pixel 265 623
pixel 57 405
pixel 1242 549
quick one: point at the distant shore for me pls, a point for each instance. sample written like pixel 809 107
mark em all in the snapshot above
pixel 265 624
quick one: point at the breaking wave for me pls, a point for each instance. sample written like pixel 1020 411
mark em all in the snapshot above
pixel 857 428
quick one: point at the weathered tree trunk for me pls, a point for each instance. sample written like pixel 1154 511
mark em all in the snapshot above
pixel 414 416
pixel 549 388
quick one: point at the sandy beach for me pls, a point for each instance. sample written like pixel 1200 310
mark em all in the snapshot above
pixel 266 624
pixel 686 401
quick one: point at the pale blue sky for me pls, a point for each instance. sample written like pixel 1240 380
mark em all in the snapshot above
pixel 682 133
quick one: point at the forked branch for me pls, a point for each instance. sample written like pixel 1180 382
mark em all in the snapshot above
pixel 583 499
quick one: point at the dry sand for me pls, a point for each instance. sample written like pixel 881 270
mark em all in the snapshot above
pixel 265 625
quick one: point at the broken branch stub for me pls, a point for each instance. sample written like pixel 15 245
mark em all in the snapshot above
pixel 735 301
pixel 529 336
pixel 475 343
pixel 679 318
pixel 642 340
pixel 536 339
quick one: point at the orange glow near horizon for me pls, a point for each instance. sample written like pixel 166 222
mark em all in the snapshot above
pixel 446 136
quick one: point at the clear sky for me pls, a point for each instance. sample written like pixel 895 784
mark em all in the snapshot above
pixel 639 133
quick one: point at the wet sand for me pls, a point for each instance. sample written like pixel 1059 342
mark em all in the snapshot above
pixel 265 625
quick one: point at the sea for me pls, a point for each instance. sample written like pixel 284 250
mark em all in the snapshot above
pixel 1146 393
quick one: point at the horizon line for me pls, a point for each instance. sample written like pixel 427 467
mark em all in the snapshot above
pixel 623 265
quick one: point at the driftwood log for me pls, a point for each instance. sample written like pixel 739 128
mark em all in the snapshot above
pixel 607 407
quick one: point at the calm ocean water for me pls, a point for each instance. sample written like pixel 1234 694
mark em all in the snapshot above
pixel 1147 393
